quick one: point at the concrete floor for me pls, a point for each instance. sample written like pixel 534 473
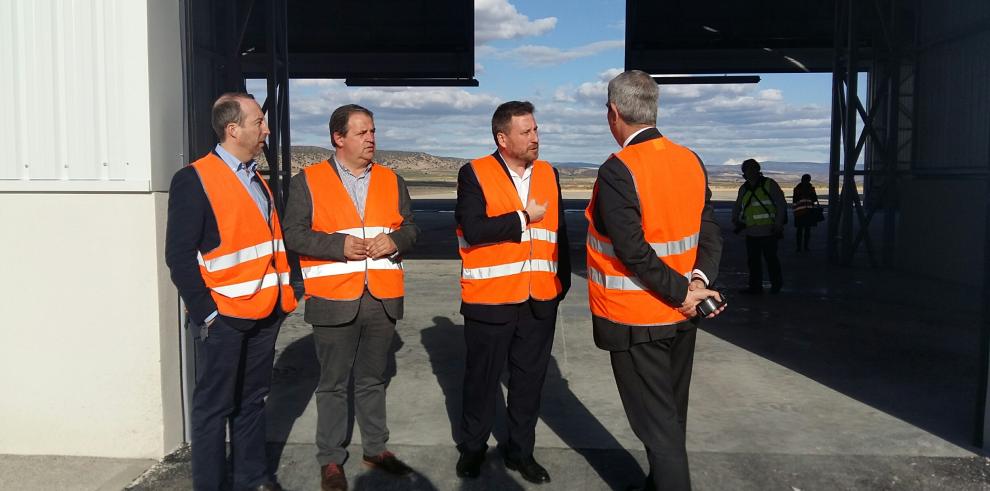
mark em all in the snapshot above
pixel 848 379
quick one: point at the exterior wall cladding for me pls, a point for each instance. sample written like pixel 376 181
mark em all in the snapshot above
pixel 92 132
pixel 943 213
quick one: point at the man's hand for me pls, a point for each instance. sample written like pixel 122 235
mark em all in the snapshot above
pixel 696 295
pixel 380 246
pixel 355 248
pixel 536 210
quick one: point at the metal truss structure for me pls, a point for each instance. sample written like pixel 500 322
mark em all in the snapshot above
pixel 878 132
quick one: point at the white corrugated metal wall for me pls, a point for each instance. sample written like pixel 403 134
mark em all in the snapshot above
pixel 76 83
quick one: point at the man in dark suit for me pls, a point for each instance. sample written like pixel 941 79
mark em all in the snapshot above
pixel 223 245
pixel 516 269
pixel 350 219
pixel 653 248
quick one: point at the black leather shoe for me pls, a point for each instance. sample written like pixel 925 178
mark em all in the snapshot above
pixel 529 470
pixel 469 464
pixel 268 486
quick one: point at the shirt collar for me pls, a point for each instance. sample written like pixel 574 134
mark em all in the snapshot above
pixel 235 164
pixel 526 173
pixel 626 143
pixel 343 170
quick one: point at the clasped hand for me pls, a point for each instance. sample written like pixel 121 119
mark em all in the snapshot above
pixel 696 294
pixel 358 249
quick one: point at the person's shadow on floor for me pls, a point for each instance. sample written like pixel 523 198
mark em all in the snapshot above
pixel 561 410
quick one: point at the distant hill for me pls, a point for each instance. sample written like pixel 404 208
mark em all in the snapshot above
pixel 421 166
pixel 785 173
pixel 303 156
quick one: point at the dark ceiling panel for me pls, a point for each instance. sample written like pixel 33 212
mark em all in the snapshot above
pixel 704 36
pixel 370 38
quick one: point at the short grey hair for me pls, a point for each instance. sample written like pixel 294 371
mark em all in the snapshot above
pixel 226 110
pixel 635 96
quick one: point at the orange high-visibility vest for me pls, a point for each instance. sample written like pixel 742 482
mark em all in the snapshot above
pixel 248 272
pixel 670 185
pixel 509 272
pixel 334 212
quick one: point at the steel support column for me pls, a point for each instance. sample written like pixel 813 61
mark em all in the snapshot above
pixel 278 151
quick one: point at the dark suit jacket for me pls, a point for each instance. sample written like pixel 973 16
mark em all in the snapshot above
pixel 192 228
pixel 302 239
pixel 479 228
pixel 617 215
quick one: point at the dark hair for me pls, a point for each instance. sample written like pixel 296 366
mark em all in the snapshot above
pixel 226 110
pixel 750 163
pixel 806 178
pixel 504 114
pixel 340 117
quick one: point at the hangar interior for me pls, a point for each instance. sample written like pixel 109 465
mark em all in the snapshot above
pixel 922 133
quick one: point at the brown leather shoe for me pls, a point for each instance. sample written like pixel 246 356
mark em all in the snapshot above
pixel 332 478
pixel 387 462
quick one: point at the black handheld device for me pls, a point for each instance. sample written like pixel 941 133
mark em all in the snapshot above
pixel 709 305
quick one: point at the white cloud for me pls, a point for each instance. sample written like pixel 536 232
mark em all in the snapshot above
pixel 723 123
pixel 499 19
pixel 534 55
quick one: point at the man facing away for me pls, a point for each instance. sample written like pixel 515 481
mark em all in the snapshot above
pixel 351 220
pixel 653 246
pixel 223 246
pixel 513 246
pixel 760 212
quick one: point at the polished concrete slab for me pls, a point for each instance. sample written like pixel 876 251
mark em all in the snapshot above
pixel 850 378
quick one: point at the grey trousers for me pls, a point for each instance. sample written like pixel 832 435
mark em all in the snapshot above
pixel 360 346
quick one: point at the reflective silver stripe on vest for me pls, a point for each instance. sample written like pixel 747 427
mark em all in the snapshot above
pixel 615 282
pixel 630 283
pixel 662 249
pixel 253 286
pixel 530 234
pixel 509 269
pixel 364 232
pixel 539 234
pixel 348 267
pixel 242 256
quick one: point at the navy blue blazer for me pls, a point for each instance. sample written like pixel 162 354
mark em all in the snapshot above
pixel 192 228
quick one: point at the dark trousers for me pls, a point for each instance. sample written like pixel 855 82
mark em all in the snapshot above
pixel 526 343
pixel 803 238
pixel 653 380
pixel 360 347
pixel 233 375
pixel 759 249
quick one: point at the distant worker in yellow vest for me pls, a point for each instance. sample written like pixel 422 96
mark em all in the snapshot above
pixel 653 247
pixel 350 220
pixel 515 271
pixel 760 212
pixel 223 245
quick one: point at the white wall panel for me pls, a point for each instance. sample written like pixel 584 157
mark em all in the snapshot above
pixel 91 327
pixel 80 88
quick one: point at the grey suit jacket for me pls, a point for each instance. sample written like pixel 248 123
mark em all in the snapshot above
pixel 302 239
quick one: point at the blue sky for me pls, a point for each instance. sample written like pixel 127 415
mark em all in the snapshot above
pixel 561 58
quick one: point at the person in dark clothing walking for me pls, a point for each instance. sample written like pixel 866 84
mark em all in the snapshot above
pixel 805 201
